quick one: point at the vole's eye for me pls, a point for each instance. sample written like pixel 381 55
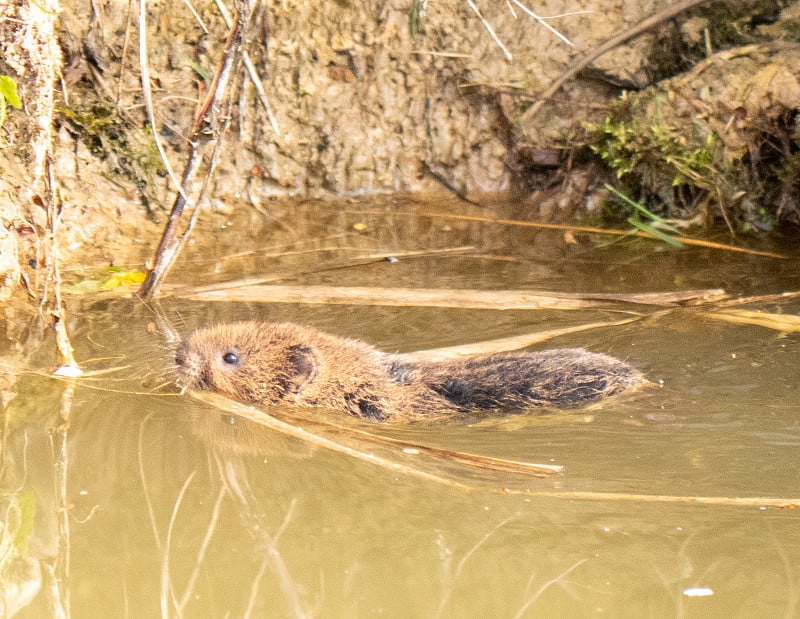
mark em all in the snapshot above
pixel 230 358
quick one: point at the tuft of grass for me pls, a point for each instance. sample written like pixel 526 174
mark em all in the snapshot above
pixel 652 224
pixel 651 148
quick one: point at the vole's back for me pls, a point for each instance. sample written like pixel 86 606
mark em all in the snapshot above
pixel 563 378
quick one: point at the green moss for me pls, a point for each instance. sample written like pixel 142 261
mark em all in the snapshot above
pixel 685 153
pixel 94 124
pixel 678 164
pixel 722 139
pixel 130 150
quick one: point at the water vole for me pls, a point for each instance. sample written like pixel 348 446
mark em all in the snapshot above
pixel 266 363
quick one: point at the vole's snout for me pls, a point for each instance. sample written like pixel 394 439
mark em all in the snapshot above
pixel 189 372
pixel 180 354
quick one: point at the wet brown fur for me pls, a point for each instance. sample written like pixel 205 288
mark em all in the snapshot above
pixel 283 363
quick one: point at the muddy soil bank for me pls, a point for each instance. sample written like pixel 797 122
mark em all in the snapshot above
pixel 389 96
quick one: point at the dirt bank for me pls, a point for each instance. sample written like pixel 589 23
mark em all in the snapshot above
pixel 393 96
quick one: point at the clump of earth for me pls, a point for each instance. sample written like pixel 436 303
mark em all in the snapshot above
pixel 404 96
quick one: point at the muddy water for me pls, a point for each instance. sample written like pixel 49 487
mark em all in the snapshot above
pixel 170 506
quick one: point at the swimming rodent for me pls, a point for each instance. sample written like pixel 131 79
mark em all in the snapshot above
pixel 266 363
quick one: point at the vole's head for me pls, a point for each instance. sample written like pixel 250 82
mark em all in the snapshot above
pixel 252 362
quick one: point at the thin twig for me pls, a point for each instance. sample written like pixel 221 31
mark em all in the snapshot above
pixel 252 74
pixel 196 16
pixel 58 311
pixel 593 230
pixel 542 22
pixel 206 131
pixel 724 211
pixel 490 30
pixel 147 94
pixel 262 95
pixel 651 22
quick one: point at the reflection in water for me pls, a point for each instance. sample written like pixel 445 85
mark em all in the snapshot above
pixel 172 509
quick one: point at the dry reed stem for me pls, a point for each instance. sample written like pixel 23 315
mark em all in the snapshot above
pixel 777 502
pixel 593 230
pixel 446 455
pixel 266 420
pixel 396 297
pixel 788 323
pixel 503 344
pixel 433 297
pixel 761 298
pixel 292 429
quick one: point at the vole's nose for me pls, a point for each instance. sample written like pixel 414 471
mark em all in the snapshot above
pixel 180 354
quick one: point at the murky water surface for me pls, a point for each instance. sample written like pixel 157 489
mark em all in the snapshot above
pixel 151 503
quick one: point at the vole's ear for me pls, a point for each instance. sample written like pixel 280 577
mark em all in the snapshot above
pixel 302 367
